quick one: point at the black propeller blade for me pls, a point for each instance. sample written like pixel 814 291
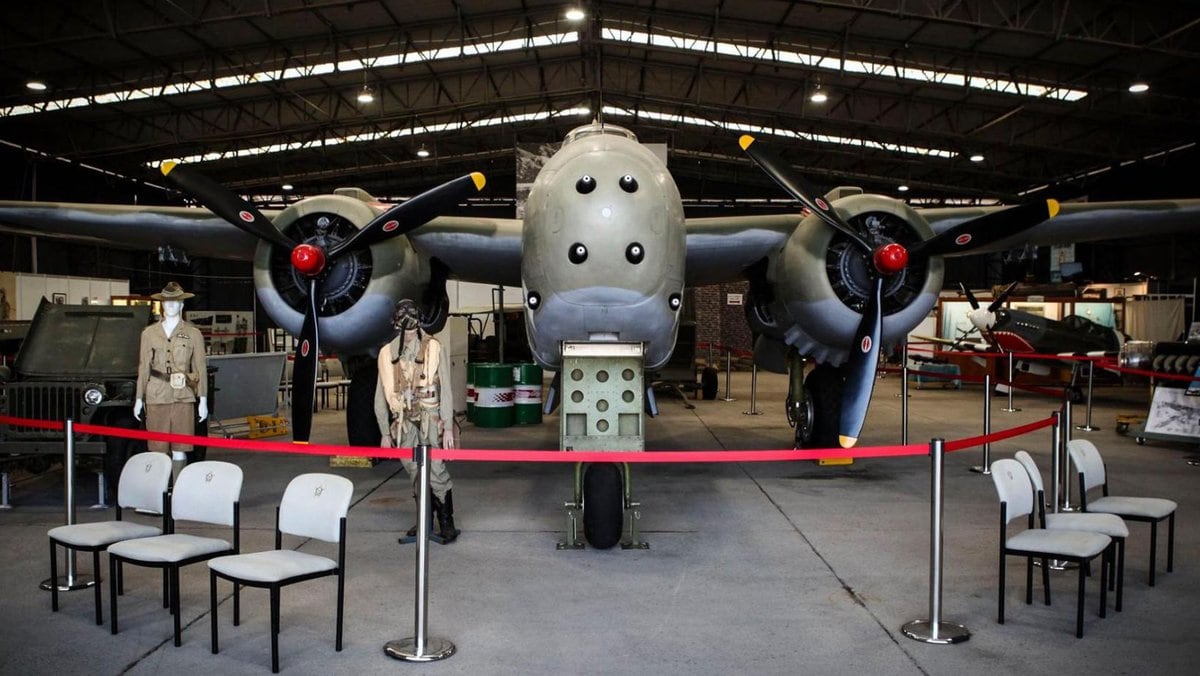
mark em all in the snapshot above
pixel 797 187
pixel 304 369
pixel 999 302
pixel 860 370
pixel 224 203
pixel 408 216
pixel 986 229
pixel 970 296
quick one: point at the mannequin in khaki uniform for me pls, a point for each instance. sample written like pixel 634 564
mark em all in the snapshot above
pixel 414 405
pixel 172 384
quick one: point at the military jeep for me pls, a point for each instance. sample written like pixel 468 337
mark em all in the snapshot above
pixel 78 362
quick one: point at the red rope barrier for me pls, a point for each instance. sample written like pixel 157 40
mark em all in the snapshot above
pixel 959 444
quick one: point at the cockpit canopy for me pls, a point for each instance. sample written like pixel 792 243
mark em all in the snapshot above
pixel 597 127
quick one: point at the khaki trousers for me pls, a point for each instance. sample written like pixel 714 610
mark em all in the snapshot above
pixel 176 418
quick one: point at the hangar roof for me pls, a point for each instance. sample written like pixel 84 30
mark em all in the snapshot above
pixel 263 93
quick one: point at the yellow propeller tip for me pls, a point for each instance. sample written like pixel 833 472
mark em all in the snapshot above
pixel 847 442
pixel 301 443
pixel 166 167
pixel 479 179
pixel 1053 206
pixel 745 141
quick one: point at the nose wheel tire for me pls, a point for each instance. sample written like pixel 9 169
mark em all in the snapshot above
pixel 603 504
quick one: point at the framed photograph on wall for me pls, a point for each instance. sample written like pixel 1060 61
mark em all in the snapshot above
pixel 59 299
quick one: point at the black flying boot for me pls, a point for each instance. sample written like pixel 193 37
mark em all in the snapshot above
pixel 444 510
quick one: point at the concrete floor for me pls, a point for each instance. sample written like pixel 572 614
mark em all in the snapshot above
pixel 771 568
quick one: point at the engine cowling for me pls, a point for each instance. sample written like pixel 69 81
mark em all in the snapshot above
pixel 357 295
pixel 815 287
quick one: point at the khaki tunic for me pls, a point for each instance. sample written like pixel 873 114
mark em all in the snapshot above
pixel 424 427
pixel 182 351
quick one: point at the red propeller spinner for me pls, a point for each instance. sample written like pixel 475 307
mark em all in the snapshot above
pixel 309 260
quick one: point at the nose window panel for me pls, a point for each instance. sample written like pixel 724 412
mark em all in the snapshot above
pixel 578 253
pixel 585 184
pixel 628 183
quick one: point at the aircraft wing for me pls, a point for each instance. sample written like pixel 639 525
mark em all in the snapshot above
pixel 1083 222
pixel 719 249
pixel 196 231
pixel 475 249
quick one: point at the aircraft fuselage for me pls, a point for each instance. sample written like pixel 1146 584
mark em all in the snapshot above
pixel 603 248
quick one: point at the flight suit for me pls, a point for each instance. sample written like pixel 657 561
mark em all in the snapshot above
pixel 171 378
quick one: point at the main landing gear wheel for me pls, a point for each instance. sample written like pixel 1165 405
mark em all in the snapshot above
pixel 801 417
pixel 824 390
pixel 603 504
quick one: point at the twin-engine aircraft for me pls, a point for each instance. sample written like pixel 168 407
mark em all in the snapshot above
pixel 604 254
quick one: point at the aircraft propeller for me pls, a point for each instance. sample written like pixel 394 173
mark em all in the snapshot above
pixel 888 259
pixel 312 261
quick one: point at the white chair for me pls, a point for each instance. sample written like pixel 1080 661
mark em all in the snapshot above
pixel 205 492
pixel 143 485
pixel 313 506
pixel 1016 499
pixel 1106 524
pixel 1090 466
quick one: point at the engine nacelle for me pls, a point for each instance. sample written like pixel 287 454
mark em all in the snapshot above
pixel 819 281
pixel 357 295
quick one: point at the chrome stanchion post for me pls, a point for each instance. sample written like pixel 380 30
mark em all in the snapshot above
pixel 986 467
pixel 904 397
pixel 70 581
pixel 1087 423
pixel 1010 408
pixel 421 648
pixel 4 491
pixel 934 630
pixel 1065 431
pixel 728 372
pixel 101 489
pixel 1055 461
pixel 753 391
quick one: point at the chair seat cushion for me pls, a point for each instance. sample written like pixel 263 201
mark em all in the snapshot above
pixel 168 548
pixel 271 566
pixel 1108 524
pixel 1146 508
pixel 1059 542
pixel 101 533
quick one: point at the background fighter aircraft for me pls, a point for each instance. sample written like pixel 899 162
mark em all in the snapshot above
pixel 604 253
pixel 1017 331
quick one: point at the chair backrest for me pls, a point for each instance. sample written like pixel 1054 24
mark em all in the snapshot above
pixel 206 491
pixel 143 481
pixel 313 506
pixel 1087 461
pixel 1013 487
pixel 1031 468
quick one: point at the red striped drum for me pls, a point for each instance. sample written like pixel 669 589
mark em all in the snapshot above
pixel 527 390
pixel 494 395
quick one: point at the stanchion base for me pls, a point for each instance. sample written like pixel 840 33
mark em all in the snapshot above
pixel 1057 565
pixel 947 632
pixel 406 650
pixel 980 469
pixel 65 584
pixel 1086 428
pixel 751 412
pixel 1010 410
pixel 6 506
pixel 728 399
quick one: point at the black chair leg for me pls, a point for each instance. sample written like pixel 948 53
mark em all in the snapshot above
pixel 96 585
pixel 1000 602
pixel 112 593
pixel 1046 579
pixel 1153 549
pixel 166 588
pixel 212 610
pixel 1028 580
pixel 1171 543
pixel 341 598
pixel 1105 562
pixel 53 578
pixel 1120 573
pixel 120 578
pixel 237 605
pixel 1079 603
pixel 275 630
pixel 175 604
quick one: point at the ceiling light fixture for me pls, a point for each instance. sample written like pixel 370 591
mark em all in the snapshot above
pixel 288 186
pixel 575 14
pixel 39 86
pixel 422 151
pixel 819 96
pixel 1139 87
pixel 366 94
pixel 902 188
pixel 977 157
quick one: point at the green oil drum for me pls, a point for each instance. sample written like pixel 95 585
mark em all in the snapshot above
pixel 471 391
pixel 527 394
pixel 493 395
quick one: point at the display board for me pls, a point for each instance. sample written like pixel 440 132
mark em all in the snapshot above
pixel 247 384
